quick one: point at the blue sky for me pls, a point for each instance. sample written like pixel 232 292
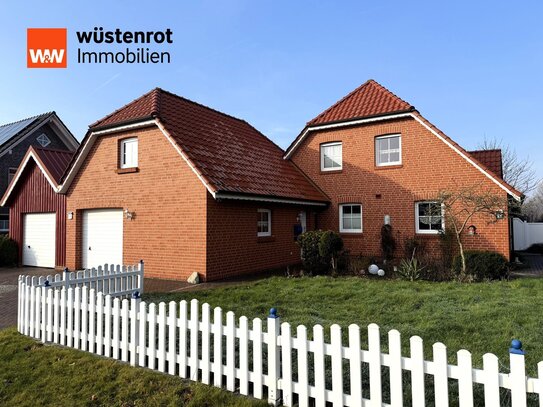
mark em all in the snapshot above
pixel 474 69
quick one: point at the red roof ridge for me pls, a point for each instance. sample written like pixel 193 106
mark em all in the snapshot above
pixel 202 105
pixel 354 92
pixel 96 123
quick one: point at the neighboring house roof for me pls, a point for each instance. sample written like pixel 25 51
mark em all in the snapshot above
pixel 369 99
pixel 53 163
pixel 384 105
pixel 491 159
pixel 232 158
pixel 12 133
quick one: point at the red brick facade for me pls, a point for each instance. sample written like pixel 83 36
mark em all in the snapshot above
pixel 178 227
pixel 169 202
pixel 428 166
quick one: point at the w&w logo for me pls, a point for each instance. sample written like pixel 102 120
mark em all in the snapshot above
pixel 46 48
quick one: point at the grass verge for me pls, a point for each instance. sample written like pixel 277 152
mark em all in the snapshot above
pixel 481 317
pixel 32 374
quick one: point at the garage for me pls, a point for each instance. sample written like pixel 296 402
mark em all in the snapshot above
pixel 102 240
pixel 39 239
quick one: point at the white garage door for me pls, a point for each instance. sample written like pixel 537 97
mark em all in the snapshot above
pixel 39 239
pixel 102 237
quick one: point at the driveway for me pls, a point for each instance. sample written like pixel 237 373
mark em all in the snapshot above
pixel 8 291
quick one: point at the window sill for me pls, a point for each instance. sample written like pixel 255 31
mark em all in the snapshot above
pixel 331 172
pixel 127 170
pixel 351 234
pixel 427 235
pixel 265 239
pixel 388 167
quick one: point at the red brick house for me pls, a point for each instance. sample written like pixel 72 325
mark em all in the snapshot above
pixel 190 189
pixel 378 158
pixel 37 212
pixel 186 188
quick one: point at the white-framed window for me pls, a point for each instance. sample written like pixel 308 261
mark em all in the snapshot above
pixel 129 153
pixel 350 218
pixel 11 173
pixel 43 140
pixel 331 156
pixel 388 150
pixel 429 217
pixel 263 223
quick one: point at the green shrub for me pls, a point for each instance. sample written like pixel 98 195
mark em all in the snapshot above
pixel 482 265
pixel 311 259
pixel 410 269
pixel 330 247
pixel 8 251
pixel 415 247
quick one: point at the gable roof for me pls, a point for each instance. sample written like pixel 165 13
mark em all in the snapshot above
pixel 491 159
pixel 369 99
pixel 231 157
pixel 384 105
pixel 11 133
pixel 53 163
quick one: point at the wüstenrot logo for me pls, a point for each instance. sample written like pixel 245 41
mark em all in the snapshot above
pixel 46 48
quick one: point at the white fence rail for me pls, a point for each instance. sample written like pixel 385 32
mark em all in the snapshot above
pixel 525 234
pixel 303 368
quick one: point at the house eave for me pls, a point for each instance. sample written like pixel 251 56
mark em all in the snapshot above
pixel 264 198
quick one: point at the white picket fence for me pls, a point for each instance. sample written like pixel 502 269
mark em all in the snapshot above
pixel 193 341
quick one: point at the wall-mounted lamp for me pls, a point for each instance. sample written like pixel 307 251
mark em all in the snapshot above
pixel 500 214
pixel 129 215
pixel 70 215
pixel 387 219
pixel 472 230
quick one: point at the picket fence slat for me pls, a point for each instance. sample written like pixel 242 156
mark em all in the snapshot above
pixel 90 310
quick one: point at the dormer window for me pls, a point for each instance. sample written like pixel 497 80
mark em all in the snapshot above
pixel 388 150
pixel 331 156
pixel 129 153
pixel 43 140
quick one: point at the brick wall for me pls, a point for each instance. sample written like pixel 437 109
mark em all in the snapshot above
pixel 428 165
pixel 233 247
pixel 169 202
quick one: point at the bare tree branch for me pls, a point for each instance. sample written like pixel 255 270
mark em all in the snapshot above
pixel 517 171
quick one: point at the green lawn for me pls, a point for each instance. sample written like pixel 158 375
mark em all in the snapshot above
pixel 35 375
pixel 481 317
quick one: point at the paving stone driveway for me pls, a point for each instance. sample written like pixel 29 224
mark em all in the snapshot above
pixel 8 291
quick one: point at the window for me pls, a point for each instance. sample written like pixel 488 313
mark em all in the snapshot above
pixel 43 140
pixel 129 153
pixel 11 173
pixel 388 150
pixel 429 217
pixel 350 218
pixel 4 223
pixel 264 223
pixel 331 157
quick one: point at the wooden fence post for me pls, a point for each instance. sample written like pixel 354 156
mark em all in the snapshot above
pixel 140 277
pixel 134 327
pixel 274 365
pixel 517 375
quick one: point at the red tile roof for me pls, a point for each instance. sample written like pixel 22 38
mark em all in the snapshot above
pixel 369 99
pixel 55 161
pixel 229 154
pixel 491 159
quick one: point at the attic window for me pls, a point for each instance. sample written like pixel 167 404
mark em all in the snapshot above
pixel 43 140
pixel 129 153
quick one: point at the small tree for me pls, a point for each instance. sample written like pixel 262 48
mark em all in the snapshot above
pixel 330 247
pixel 463 204
pixel 388 243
